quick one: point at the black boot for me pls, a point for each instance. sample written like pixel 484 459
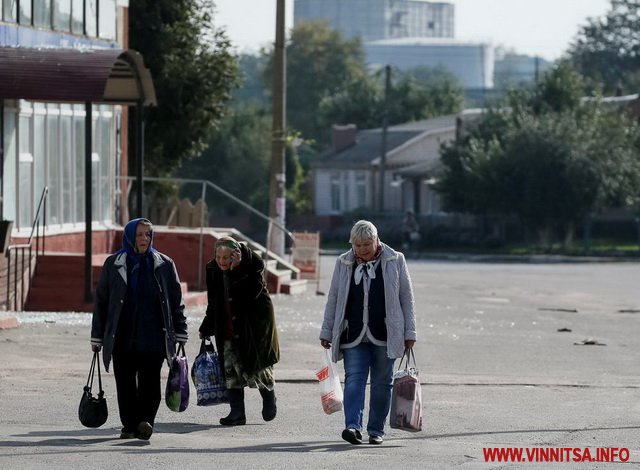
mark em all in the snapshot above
pixel 269 408
pixel 236 417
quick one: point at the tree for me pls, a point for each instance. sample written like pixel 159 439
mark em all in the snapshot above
pixel 193 73
pixel 419 93
pixel 606 50
pixel 359 102
pixel 251 87
pixel 550 158
pixel 237 159
pixel 320 62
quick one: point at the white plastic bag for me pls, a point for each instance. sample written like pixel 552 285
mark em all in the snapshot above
pixel 330 388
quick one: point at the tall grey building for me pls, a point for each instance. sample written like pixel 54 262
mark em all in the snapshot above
pixel 380 19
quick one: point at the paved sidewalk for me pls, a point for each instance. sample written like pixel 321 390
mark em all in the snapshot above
pixel 496 372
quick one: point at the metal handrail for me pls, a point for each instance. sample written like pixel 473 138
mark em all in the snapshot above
pixel 224 193
pixel 20 248
pixel 215 187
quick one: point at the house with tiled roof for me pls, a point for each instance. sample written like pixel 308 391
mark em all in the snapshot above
pixel 346 177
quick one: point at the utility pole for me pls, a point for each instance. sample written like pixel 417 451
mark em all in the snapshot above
pixel 383 146
pixel 275 241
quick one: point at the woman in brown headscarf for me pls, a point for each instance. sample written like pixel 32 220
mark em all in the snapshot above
pixel 240 315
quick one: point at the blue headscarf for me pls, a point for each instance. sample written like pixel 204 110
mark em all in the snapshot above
pixel 135 259
pixel 129 238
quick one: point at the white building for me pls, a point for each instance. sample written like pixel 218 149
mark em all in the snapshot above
pixel 405 34
pixel 471 63
pixel 346 177
pixel 380 19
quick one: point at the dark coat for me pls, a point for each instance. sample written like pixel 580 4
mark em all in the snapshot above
pixel 255 338
pixel 110 298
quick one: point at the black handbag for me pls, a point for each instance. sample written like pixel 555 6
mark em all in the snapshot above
pixel 93 409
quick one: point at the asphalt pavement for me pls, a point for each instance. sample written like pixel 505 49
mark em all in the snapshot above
pixel 538 357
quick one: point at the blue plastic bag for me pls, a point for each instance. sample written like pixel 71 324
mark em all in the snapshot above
pixel 208 377
pixel 176 394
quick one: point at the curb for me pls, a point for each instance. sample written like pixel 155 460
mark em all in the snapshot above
pixel 8 322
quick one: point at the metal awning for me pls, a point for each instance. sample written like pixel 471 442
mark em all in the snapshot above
pixel 108 76
pixel 113 76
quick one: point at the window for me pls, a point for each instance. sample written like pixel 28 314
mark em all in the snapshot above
pixel 25 172
pixel 25 12
pixel 10 11
pixel 91 18
pixel 79 151
pixel 53 180
pixel 105 183
pixel 9 188
pixel 44 145
pixel 66 168
pixel 42 13
pixel 107 19
pixel 77 17
pixel 361 189
pixel 25 195
pixel 62 15
pixel 335 192
pixel 39 154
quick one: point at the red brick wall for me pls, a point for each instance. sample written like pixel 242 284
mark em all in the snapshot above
pixel 102 241
pixel 183 248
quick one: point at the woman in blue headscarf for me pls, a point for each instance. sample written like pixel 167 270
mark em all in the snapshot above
pixel 137 320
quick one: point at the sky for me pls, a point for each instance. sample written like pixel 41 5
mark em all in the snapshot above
pixel 542 28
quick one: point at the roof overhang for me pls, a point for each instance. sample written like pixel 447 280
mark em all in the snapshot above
pixel 419 170
pixel 112 76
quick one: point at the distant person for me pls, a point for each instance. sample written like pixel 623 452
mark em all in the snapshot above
pixel 369 320
pixel 137 320
pixel 410 231
pixel 241 317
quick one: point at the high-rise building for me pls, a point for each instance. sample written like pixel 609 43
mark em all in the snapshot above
pixel 405 34
pixel 380 19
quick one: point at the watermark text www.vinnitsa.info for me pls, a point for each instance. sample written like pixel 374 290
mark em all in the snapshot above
pixel 556 454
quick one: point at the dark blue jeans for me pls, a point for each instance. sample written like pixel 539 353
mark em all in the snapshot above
pixel 359 362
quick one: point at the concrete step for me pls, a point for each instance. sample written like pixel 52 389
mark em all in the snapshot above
pixel 271 264
pixel 42 304
pixel 62 281
pixel 275 279
pixel 52 269
pixel 72 292
pixel 195 298
pixel 283 275
pixel 294 286
pixel 68 281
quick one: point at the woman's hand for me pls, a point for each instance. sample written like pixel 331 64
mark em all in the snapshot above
pixel 208 338
pixel 408 343
pixel 96 347
pixel 325 344
pixel 236 257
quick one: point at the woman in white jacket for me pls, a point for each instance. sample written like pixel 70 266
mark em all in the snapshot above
pixel 369 320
